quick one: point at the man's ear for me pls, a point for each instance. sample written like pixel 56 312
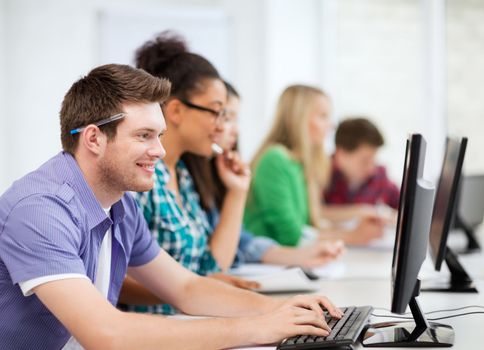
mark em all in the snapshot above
pixel 93 139
pixel 173 111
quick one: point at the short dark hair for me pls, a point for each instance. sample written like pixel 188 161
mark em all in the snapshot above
pixel 357 131
pixel 101 94
pixel 167 56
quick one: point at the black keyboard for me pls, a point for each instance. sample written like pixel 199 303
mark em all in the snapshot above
pixel 344 332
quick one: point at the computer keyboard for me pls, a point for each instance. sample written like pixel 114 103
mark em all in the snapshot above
pixel 344 332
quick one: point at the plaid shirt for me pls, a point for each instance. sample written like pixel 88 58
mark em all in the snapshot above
pixel 377 189
pixel 184 231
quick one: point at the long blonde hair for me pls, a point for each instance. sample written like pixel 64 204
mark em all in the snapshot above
pixel 290 129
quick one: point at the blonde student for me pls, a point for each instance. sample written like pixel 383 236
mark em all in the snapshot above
pixel 290 170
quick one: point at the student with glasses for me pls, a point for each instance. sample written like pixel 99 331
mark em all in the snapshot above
pixel 195 117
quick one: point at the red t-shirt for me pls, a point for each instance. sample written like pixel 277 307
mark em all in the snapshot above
pixel 377 189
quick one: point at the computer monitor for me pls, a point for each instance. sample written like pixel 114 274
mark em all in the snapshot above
pixel 442 216
pixel 413 225
pixel 470 210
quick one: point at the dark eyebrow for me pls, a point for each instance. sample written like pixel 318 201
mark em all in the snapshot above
pixel 144 130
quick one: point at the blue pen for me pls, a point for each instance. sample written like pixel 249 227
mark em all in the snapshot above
pixel 101 122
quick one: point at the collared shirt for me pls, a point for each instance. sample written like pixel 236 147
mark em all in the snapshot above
pixel 51 223
pixel 183 231
pixel 377 189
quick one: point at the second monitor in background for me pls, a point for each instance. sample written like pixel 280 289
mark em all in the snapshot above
pixel 443 213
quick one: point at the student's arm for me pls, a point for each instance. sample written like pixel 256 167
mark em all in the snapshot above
pixel 275 190
pixel 186 290
pixel 225 237
pixel 253 248
pixel 367 230
pixel 344 212
pixel 96 324
pixel 317 254
pixel 133 293
pixel 390 191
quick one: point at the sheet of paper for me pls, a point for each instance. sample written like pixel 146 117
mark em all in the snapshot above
pixel 286 280
pixel 332 270
pixel 249 270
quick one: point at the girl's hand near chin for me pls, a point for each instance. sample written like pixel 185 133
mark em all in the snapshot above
pixel 234 173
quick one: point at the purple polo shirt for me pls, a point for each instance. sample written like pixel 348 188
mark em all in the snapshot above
pixel 51 223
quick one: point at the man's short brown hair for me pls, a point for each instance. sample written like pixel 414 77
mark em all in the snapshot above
pixel 357 131
pixel 101 94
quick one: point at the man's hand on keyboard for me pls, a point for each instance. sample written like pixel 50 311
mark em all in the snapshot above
pixel 302 314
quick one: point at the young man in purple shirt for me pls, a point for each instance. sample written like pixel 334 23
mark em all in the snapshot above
pixel 69 234
pixel 358 186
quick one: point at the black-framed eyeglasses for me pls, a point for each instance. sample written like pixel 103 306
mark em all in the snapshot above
pixel 219 115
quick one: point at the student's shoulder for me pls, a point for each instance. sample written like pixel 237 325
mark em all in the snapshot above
pixel 381 172
pixel 38 193
pixel 276 159
pixel 41 215
pixel 276 153
pixel 47 180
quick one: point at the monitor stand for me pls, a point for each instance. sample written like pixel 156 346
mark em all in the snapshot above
pixel 420 333
pixel 473 245
pixel 459 282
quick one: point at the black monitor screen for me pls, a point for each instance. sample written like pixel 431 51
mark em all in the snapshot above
pixel 413 223
pixel 445 199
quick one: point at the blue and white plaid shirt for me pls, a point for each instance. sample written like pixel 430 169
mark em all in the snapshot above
pixel 183 232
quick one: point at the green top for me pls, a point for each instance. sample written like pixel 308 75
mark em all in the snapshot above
pixel 278 202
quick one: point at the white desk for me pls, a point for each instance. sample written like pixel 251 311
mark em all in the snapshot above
pixel 367 282
pixel 377 294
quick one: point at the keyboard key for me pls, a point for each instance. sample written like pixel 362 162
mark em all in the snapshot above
pixel 344 331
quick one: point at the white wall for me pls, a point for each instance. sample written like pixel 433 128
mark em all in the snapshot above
pixel 122 30
pixel 48 45
pixel 465 52
pixel 434 84
pixel 247 52
pixel 368 54
pixel 292 46
pixel 379 69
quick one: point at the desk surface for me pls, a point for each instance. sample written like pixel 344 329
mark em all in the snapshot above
pixel 367 282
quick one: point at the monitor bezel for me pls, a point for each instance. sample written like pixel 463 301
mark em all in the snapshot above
pixel 438 256
pixel 413 169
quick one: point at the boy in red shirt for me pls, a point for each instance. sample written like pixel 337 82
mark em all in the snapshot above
pixel 356 178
